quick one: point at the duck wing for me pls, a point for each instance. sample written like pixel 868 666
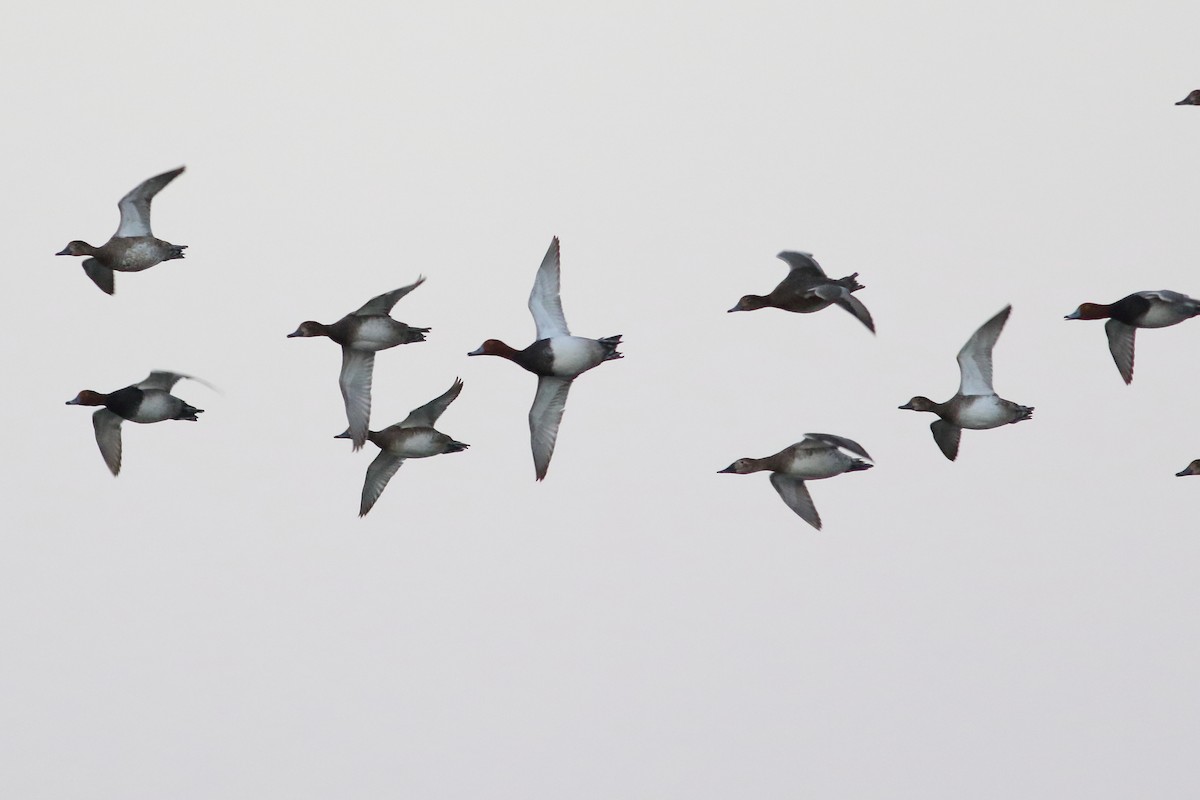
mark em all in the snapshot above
pixel 135 206
pixel 379 473
pixel 836 293
pixel 1120 344
pixel 544 301
pixel 382 305
pixel 839 441
pixel 101 275
pixel 975 358
pixel 947 436
pixel 427 415
pixel 795 495
pixel 802 263
pixel 108 437
pixel 164 380
pixel 544 418
pixel 358 368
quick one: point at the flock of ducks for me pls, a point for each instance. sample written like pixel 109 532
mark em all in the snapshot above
pixel 557 358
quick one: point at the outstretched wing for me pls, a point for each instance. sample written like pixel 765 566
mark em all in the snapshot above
pixel 802 262
pixel 1120 344
pixel 358 369
pixel 840 295
pixel 108 437
pixel 427 415
pixel 162 379
pixel 382 305
pixel 795 495
pixel 544 301
pixel 379 473
pixel 544 418
pixel 135 206
pixel 975 358
pixel 947 436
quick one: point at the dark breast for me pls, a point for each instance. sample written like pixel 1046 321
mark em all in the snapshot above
pixel 124 402
pixel 537 358
pixel 1130 309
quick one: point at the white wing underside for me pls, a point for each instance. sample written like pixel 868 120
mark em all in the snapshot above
pixel 108 437
pixel 355 382
pixel 544 301
pixel 975 358
pixel 795 495
pixel 544 418
pixel 135 206
pixel 379 473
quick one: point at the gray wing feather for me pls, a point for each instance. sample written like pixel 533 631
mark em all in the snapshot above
pixel 165 380
pixel 108 437
pixel 427 415
pixel 840 441
pixel 379 473
pixel 544 418
pixel 355 382
pixel 382 305
pixel 803 262
pixel 795 495
pixel 544 301
pixel 836 293
pixel 975 358
pixel 1120 344
pixel 947 436
pixel 135 206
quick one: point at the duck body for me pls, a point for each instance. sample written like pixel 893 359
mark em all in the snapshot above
pixel 1150 309
pixel 362 333
pixel 807 289
pixel 145 402
pixel 133 247
pixel 556 357
pixel 817 456
pixel 976 406
pixel 414 437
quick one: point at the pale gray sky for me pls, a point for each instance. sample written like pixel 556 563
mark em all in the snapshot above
pixel 217 622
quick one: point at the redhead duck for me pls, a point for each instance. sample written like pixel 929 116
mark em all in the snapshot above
pixel 1191 469
pixel 1193 99
pixel 133 247
pixel 820 455
pixel 976 406
pixel 807 289
pixel 557 358
pixel 1160 309
pixel 149 400
pixel 412 438
pixel 361 334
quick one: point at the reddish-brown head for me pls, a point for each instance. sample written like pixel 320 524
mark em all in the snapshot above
pixel 1089 311
pixel 493 347
pixel 87 398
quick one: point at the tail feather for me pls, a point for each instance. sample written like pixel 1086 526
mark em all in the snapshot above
pixel 610 347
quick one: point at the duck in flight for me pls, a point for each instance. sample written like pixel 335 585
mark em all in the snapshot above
pixel 149 400
pixel 976 405
pixel 414 437
pixel 819 455
pixel 133 247
pixel 363 333
pixel 556 357
pixel 1160 309
pixel 807 289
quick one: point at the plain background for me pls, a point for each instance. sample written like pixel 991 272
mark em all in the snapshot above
pixel 217 622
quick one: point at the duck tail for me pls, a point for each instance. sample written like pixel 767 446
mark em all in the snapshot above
pixel 610 347
pixel 850 282
pixel 189 413
pixel 858 464
pixel 456 447
pixel 1023 413
pixel 176 251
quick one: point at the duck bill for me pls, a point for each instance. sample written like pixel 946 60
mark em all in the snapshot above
pixel 75 401
pixel 730 469
pixel 478 351
pixel 66 251
pixel 906 407
pixel 1073 315
pixel 344 435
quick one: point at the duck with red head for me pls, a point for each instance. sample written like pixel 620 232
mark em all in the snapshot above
pixel 1160 309
pixel 148 401
pixel 556 357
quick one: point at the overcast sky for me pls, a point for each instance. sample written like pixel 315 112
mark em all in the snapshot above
pixel 218 622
